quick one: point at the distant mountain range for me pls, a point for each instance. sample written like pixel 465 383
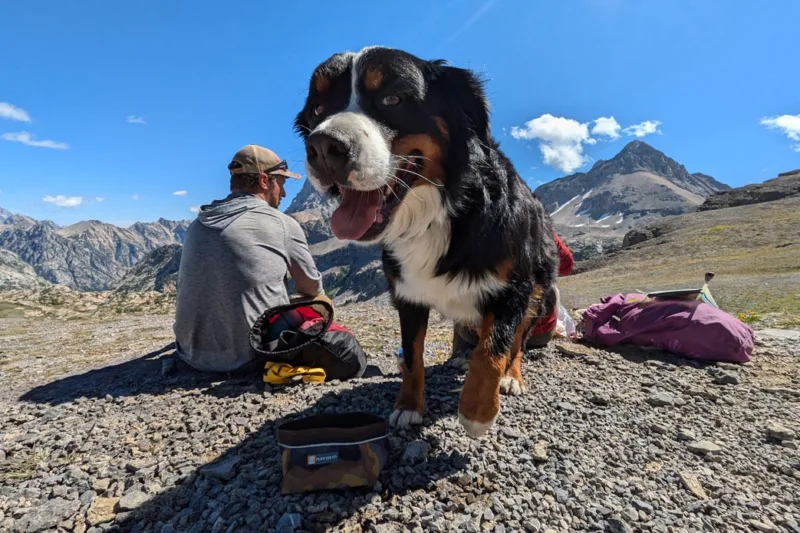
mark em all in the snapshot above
pixel 592 210
pixel 87 256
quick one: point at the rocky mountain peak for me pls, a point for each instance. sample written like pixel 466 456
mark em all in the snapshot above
pixel 309 199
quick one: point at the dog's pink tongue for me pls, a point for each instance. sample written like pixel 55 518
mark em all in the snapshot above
pixel 356 213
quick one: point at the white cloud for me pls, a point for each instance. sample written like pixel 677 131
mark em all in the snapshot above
pixel 133 119
pixel 561 140
pixel 63 201
pixel 26 138
pixel 643 128
pixel 13 112
pixel 607 126
pixel 789 126
pixel 195 209
pixel 135 197
pixel 99 199
pixel 180 193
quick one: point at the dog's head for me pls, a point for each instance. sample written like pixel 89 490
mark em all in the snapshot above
pixel 389 133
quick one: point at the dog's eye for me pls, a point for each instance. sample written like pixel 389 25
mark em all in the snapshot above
pixel 390 100
pixel 318 109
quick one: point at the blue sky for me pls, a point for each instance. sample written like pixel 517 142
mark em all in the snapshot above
pixel 109 108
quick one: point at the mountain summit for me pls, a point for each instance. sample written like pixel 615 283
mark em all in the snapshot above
pixel 639 182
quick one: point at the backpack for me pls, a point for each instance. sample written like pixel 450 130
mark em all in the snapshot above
pixel 303 334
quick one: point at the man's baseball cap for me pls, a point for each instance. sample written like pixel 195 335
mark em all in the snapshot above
pixel 254 159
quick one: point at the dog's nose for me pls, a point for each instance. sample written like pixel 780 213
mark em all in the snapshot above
pixel 327 154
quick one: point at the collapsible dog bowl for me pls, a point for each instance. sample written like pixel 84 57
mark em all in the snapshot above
pixel 332 451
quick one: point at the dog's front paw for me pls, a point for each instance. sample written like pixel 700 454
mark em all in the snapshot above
pixel 404 419
pixel 474 428
pixel 512 386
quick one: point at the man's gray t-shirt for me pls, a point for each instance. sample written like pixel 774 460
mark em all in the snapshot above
pixel 234 265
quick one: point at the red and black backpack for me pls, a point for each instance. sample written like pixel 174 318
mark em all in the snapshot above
pixel 304 334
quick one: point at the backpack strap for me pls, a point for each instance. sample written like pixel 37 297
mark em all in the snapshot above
pixel 260 329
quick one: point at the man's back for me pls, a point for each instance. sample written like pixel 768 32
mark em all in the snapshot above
pixel 235 260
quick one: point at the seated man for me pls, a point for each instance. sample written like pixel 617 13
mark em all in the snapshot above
pixel 234 265
pixel 464 339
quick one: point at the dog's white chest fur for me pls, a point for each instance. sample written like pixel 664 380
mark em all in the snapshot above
pixel 418 249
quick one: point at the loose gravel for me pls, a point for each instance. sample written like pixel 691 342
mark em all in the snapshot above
pixel 625 440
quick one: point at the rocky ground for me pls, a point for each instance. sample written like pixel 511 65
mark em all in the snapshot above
pixel 101 430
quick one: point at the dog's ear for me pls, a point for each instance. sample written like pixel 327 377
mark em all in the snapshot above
pixel 465 99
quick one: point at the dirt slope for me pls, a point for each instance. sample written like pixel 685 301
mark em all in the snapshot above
pixel 754 250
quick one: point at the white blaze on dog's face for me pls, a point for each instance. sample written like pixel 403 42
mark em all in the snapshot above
pixel 376 135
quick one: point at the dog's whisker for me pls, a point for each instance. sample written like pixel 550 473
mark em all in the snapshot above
pixel 421 176
pixel 391 189
pixel 406 157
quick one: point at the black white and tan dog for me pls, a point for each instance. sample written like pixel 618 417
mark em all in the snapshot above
pixel 406 145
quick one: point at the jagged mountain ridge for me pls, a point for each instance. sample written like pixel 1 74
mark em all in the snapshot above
pixel 156 271
pixel 785 185
pixel 638 182
pixel 16 274
pixel 88 256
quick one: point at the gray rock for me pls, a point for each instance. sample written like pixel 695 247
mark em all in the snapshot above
pixel 686 435
pixel 762 526
pixel 101 485
pixel 779 432
pixel 566 406
pixel 532 525
pixel 618 526
pixel 48 515
pixel 600 398
pixel 388 527
pixel 416 452
pixel 642 505
pixel 661 399
pixel 223 469
pixel 659 428
pixel 132 500
pixel 540 451
pixel 86 497
pixel 703 447
pixel 630 514
pixel 289 522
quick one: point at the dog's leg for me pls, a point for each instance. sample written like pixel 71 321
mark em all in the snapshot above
pixel 496 357
pixel 411 400
pixel 464 341
pixel 512 383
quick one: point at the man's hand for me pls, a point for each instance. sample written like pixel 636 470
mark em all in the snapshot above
pixel 322 297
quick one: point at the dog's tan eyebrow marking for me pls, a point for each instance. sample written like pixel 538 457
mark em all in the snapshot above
pixel 321 82
pixel 440 122
pixel 373 78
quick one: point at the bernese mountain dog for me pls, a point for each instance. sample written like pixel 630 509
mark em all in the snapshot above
pixel 405 144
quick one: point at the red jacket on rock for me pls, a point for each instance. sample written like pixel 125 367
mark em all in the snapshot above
pixel 565 265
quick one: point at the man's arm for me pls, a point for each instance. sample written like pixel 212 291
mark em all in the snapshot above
pixel 306 277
